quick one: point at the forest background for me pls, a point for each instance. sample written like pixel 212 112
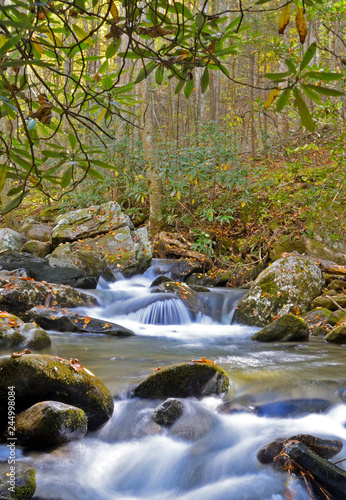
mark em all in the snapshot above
pixel 220 122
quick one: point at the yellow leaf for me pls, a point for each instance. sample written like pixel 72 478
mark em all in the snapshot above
pixel 284 18
pixel 271 97
pixel 178 195
pixel 101 115
pixel 56 39
pixel 3 40
pixel 196 181
pixel 38 47
pixel 243 203
pixel 114 12
pixel 301 25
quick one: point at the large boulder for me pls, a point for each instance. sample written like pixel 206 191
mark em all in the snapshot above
pixel 64 320
pixel 321 320
pixel 287 328
pixel 36 248
pixel 18 295
pixel 195 379
pixel 288 285
pixel 14 333
pixel 36 231
pixel 11 240
pixel 50 423
pixel 337 335
pixel 89 222
pixel 17 480
pixel 38 377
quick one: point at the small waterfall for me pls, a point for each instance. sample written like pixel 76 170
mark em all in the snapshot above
pixel 162 312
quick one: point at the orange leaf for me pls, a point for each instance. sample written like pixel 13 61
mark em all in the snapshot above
pixel 87 320
pixel 75 364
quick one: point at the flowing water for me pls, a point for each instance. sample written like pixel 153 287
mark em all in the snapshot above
pixel 206 455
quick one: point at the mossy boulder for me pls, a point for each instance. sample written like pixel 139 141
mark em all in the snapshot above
pixel 18 295
pixel 195 379
pixel 183 292
pixel 337 335
pixel 289 284
pixel 37 231
pixel 329 303
pixel 338 285
pixel 287 328
pixel 14 333
pixel 36 248
pixel 63 320
pixel 20 479
pixel 38 377
pixel 320 321
pixel 50 423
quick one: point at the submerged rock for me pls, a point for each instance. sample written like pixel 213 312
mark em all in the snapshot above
pixel 50 423
pixel 287 328
pixel 64 320
pixel 195 379
pixel 14 333
pixel 289 284
pixel 18 295
pixel 292 407
pixel 168 412
pixel 38 377
pixel 194 423
pixel 183 292
pixel 24 483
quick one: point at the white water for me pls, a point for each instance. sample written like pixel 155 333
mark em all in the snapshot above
pixel 205 455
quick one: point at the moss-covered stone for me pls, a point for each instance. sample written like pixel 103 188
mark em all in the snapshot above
pixel 183 292
pixel 195 379
pixel 23 477
pixel 14 333
pixel 338 285
pixel 11 240
pixel 321 320
pixel 38 377
pixel 337 335
pixel 50 423
pixel 36 248
pixel 289 284
pixel 35 337
pixel 287 328
pixel 325 302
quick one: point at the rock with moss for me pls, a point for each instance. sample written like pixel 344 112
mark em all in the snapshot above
pixel 36 248
pixel 168 412
pixel 11 240
pixel 195 379
pixel 287 328
pixel 50 423
pixel 17 295
pixel 38 377
pixel 338 285
pixel 288 285
pixel 337 335
pixel 37 231
pixel 329 301
pixel 14 333
pixel 64 320
pixel 17 481
pixel 50 214
pixel 320 321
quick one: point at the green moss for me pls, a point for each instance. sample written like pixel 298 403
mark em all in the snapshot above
pixel 27 490
pixel 337 335
pixel 287 328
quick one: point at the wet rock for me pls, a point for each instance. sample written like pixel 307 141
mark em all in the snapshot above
pixel 342 394
pixel 17 295
pixel 50 423
pixel 24 484
pixel 287 328
pixel 205 280
pixel 11 240
pixel 289 284
pixel 323 472
pixel 183 292
pixel 177 269
pixel 199 288
pixel 195 379
pixel 168 412
pixel 63 320
pixel 160 279
pixel 38 377
pixel 194 423
pixel 36 248
pixel 320 321
pixel 292 407
pixel 44 270
pixel 337 335
pixel 325 448
pixel 325 302
pixel 14 333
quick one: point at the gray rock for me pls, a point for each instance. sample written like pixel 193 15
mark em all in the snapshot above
pixel 37 231
pixel 289 284
pixel 11 240
pixel 50 423
pixel 168 412
pixel 21 478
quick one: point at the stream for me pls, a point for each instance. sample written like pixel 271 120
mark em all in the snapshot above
pixel 210 455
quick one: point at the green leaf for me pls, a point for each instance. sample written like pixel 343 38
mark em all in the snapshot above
pixel 261 2
pixel 200 19
pixel 205 80
pixel 182 10
pixel 308 55
pixel 48 153
pixel 326 91
pixel 102 164
pixel 14 203
pixel 112 48
pixel 303 111
pixel 324 76
pixel 311 94
pixel 15 190
pixel 66 178
pixel 3 174
pixel 188 87
pixel 10 110
pixel 20 161
pixel 103 66
pixel 72 140
pixel 277 76
pixel 11 43
pixel 159 74
pixel 291 66
pixel 81 34
pixel 145 71
pixel 283 100
pixel 228 50
pixel 179 86
pixel 31 62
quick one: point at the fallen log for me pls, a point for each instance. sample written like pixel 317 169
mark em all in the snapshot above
pixel 181 248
